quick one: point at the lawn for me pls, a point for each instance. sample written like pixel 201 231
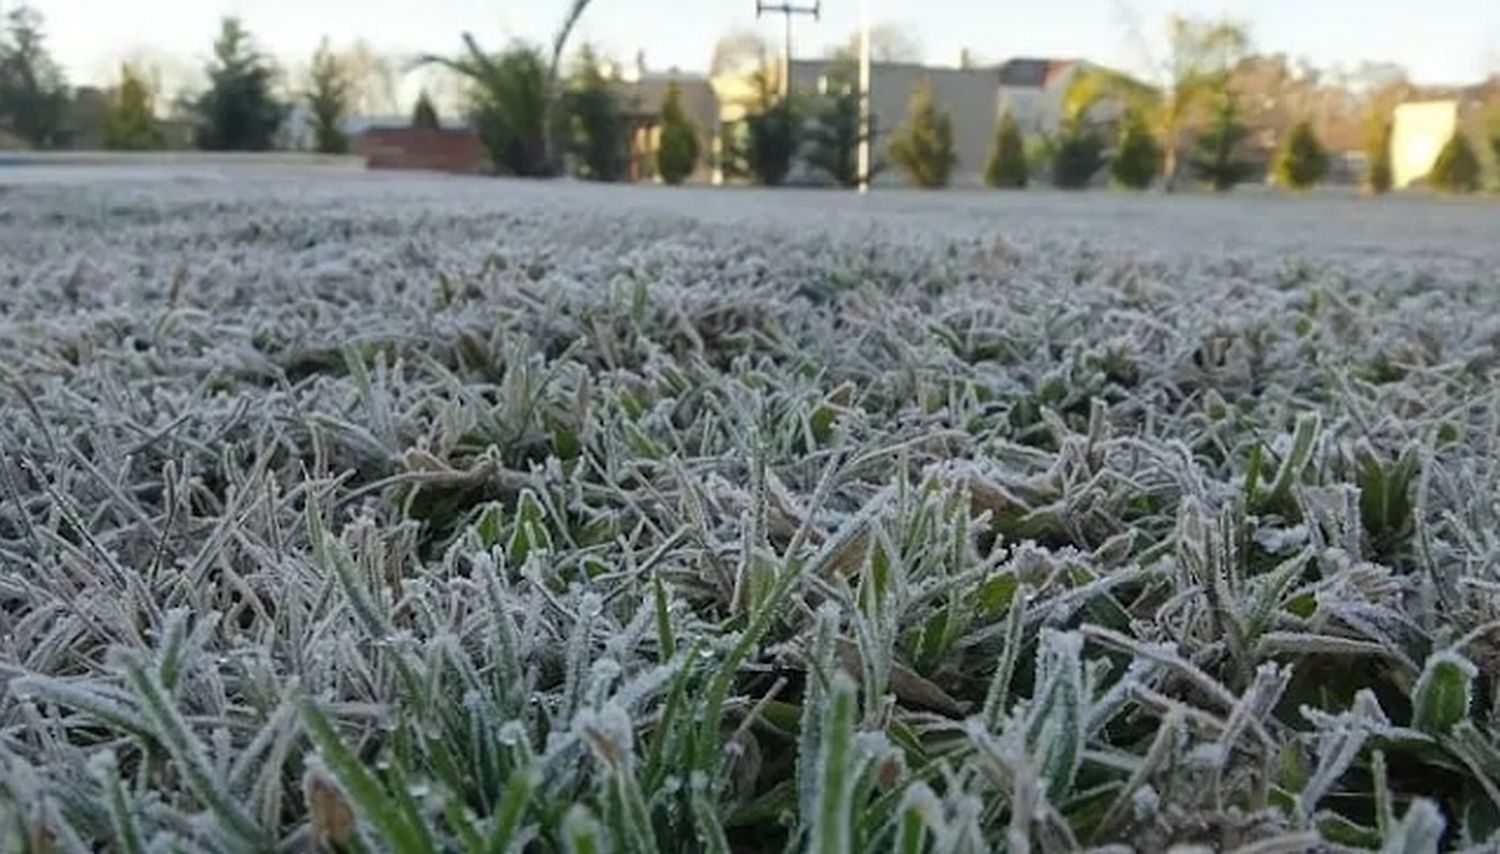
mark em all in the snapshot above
pixel 422 514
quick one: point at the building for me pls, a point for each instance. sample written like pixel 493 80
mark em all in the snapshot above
pixel 974 96
pixel 456 150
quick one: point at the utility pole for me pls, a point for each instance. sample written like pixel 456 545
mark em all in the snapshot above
pixel 864 161
pixel 787 10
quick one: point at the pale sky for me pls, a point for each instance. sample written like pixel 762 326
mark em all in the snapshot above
pixel 1439 41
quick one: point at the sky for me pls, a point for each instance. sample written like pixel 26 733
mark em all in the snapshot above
pixel 1439 41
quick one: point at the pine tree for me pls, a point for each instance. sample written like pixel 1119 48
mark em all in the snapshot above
pixel 1138 156
pixel 1303 161
pixel 425 114
pixel 597 133
pixel 1077 155
pixel 923 145
pixel 238 112
pixel 1006 167
pixel 131 124
pixel 1216 156
pixel 1457 168
pixel 834 133
pixel 1378 175
pixel 329 100
pixel 766 140
pixel 32 89
pixel 678 149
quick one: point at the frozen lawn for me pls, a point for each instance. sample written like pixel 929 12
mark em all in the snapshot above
pixel 423 514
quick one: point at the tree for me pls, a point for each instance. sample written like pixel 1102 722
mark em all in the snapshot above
pixel 1302 162
pixel 515 97
pixel 329 99
pixel 1006 167
pixel 32 89
pixel 131 124
pixel 1077 155
pixel 678 148
pixel 1216 156
pixel 834 134
pixel 889 42
pixel 238 112
pixel 425 115
pixel 1457 168
pixel 923 145
pixel 767 139
pixel 1137 157
pixel 597 133
pixel 1379 174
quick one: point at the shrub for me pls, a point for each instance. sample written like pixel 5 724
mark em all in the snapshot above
pixel 425 114
pixel 1006 167
pixel 1138 156
pixel 1303 162
pixel 131 124
pixel 677 152
pixel 1077 156
pixel 238 111
pixel 1378 175
pixel 597 133
pixel 833 135
pixel 923 144
pixel 766 140
pixel 1216 156
pixel 510 108
pixel 1457 168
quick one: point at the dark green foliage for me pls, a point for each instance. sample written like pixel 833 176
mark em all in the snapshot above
pixel 1006 167
pixel 677 152
pixel 597 132
pixel 1303 162
pixel 1077 156
pixel 766 141
pixel 1385 502
pixel 32 89
pixel 1138 156
pixel 1457 168
pixel 1216 155
pixel 131 124
pixel 923 145
pixel 1378 174
pixel 328 99
pixel 833 136
pixel 510 108
pixel 425 114
pixel 238 111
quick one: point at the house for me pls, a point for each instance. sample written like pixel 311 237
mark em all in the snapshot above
pixel 1033 90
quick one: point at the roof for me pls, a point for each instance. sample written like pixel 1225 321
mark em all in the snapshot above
pixel 1033 73
pixel 644 97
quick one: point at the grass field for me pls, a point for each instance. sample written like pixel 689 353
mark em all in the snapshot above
pixel 418 514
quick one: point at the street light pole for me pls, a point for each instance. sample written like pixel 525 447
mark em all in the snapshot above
pixel 864 98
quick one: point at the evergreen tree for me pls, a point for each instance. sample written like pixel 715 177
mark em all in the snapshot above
pixel 131 124
pixel 1077 155
pixel 1302 162
pixel 329 100
pixel 238 112
pixel 1457 168
pixel 766 141
pixel 1378 175
pixel 1138 156
pixel 32 89
pixel 834 134
pixel 923 145
pixel 678 149
pixel 425 114
pixel 1216 156
pixel 1006 168
pixel 597 137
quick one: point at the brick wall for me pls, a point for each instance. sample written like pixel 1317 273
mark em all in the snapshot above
pixel 422 148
